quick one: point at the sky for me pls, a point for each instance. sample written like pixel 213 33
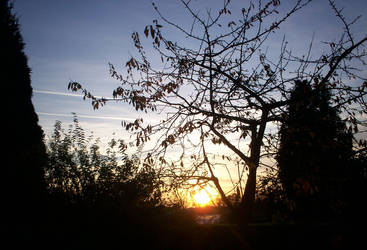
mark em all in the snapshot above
pixel 74 40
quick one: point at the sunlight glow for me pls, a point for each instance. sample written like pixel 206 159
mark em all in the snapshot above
pixel 202 198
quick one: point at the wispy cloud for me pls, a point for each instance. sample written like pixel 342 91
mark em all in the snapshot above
pixel 87 116
pixel 49 92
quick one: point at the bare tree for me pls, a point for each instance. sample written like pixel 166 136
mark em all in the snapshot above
pixel 217 88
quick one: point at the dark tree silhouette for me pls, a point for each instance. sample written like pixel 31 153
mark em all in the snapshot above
pixel 220 89
pixel 356 183
pixel 22 185
pixel 315 149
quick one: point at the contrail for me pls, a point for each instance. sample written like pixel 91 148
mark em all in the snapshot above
pixel 49 92
pixel 87 116
pixel 56 93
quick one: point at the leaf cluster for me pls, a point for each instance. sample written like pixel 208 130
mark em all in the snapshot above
pixel 79 172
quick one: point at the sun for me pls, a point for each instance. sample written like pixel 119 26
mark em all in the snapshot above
pixel 202 198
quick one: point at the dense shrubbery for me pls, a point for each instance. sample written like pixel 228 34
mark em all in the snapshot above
pixel 102 197
pixel 80 175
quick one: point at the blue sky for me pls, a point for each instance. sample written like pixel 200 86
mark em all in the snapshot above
pixel 75 40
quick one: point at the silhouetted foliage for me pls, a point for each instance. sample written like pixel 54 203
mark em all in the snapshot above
pixel 315 152
pixel 355 185
pixel 103 198
pixel 81 176
pixel 24 155
pixel 272 196
pixel 223 90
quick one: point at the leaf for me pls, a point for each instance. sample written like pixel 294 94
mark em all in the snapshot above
pixel 276 2
pixel 156 41
pixel 95 105
pixel 152 32
pixel 146 31
pixel 231 23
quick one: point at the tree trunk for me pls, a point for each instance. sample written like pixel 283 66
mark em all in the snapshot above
pixel 248 199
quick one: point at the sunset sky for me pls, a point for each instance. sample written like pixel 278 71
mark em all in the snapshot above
pixel 76 39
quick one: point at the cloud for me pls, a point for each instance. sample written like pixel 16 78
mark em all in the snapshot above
pixel 49 92
pixel 55 93
pixel 87 116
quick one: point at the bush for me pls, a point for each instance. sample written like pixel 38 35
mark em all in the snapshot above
pixel 79 175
